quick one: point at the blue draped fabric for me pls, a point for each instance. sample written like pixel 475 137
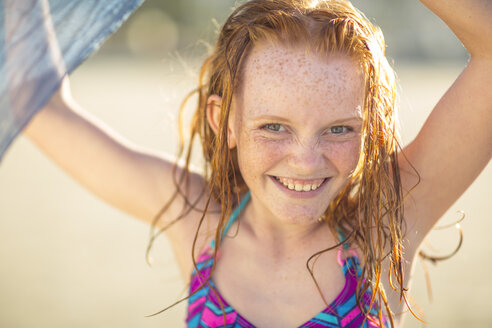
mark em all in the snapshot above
pixel 40 42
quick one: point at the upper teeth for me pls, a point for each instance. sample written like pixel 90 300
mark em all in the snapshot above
pixel 299 185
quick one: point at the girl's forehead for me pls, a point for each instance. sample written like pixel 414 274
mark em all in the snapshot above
pixel 280 77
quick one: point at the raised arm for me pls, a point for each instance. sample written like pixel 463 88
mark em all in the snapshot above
pixel 136 180
pixel 455 143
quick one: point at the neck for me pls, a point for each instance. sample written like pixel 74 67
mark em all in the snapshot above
pixel 284 239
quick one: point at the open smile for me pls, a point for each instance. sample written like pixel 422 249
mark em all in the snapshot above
pixel 300 187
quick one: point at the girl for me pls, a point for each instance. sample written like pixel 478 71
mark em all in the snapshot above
pixel 307 193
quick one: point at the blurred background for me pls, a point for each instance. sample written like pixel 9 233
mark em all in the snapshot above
pixel 411 31
pixel 69 260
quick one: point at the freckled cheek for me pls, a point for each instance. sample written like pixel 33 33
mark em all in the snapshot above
pixel 344 155
pixel 257 155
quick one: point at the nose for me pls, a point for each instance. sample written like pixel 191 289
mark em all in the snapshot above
pixel 306 158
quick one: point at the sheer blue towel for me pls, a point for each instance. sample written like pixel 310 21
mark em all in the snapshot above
pixel 40 42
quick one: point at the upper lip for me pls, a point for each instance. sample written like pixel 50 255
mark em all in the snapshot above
pixel 302 180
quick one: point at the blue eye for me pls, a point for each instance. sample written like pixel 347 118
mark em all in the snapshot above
pixel 340 129
pixel 275 127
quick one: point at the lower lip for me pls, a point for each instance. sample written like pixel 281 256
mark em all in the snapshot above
pixel 300 194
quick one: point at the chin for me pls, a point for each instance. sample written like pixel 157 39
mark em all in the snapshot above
pixel 303 215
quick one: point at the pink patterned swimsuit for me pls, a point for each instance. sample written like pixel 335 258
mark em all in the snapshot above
pixel 204 309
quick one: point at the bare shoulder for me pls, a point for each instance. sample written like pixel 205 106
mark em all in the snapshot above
pixel 187 215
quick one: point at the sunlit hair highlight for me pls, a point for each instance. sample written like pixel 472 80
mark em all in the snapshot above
pixel 369 209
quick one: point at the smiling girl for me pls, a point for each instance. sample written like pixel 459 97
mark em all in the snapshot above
pixel 317 212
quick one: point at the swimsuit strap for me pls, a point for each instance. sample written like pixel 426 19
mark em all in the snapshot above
pixel 233 216
pixel 351 262
pixel 343 238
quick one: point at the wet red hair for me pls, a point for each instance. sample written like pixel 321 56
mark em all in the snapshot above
pixel 369 209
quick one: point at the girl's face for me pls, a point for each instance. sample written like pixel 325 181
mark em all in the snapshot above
pixel 296 120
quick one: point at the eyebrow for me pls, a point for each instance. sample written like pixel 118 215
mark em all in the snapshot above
pixel 270 117
pixel 281 119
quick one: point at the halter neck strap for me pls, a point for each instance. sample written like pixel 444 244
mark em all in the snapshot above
pixel 351 262
pixel 343 239
pixel 233 216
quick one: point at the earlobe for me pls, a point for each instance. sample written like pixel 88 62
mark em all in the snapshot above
pixel 214 110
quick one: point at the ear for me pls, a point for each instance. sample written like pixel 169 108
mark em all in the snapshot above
pixel 214 109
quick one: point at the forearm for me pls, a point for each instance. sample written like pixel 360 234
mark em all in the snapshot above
pixel 29 31
pixel 33 62
pixel 470 20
